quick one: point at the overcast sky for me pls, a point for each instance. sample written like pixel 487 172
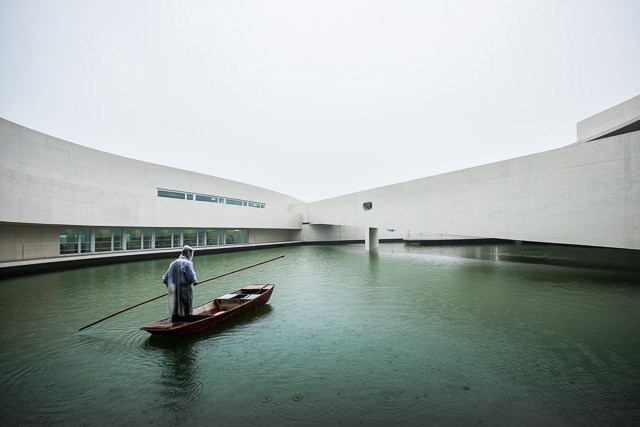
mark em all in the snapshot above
pixel 316 99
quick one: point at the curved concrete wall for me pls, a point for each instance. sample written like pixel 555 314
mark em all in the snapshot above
pixel 587 193
pixel 582 194
pixel 610 120
pixel 46 180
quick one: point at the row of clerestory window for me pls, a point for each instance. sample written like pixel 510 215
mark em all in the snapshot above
pixel 182 195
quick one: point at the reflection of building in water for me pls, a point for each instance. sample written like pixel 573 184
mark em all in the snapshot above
pixel 532 253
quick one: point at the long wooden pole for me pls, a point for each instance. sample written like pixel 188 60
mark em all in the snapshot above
pixel 163 295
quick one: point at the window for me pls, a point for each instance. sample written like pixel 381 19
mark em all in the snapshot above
pixel 85 241
pixel 215 237
pixel 74 241
pixel 236 236
pixel 163 239
pixel 171 194
pixel 177 239
pixel 146 239
pixel 204 198
pixel 190 237
pixel 68 242
pixel 103 241
pixel 77 241
pixel 133 240
pixel 117 240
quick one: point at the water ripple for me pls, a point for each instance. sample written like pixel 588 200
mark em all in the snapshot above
pixel 434 394
pixel 352 338
pixel 304 400
pixel 388 398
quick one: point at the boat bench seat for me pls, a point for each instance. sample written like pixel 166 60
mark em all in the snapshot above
pixel 229 301
pixel 238 297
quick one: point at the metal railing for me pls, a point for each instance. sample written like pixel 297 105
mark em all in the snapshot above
pixel 45 251
pixel 436 236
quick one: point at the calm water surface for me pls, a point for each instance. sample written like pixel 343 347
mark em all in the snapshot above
pixel 403 336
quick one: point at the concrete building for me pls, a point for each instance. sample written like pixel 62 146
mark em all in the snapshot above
pixel 587 193
pixel 60 200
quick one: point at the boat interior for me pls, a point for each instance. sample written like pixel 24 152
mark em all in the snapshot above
pixel 229 301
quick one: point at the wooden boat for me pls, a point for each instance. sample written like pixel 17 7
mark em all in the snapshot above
pixel 212 313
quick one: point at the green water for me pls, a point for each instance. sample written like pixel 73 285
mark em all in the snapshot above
pixel 402 336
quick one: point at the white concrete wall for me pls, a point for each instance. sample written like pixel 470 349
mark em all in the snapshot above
pixel 341 233
pixel 331 233
pixel 582 194
pixel 273 236
pixel 609 120
pixel 45 180
pixel 19 242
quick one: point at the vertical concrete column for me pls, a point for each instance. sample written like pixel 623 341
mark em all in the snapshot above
pixel 371 240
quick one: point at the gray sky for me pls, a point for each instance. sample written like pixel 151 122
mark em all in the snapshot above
pixel 316 99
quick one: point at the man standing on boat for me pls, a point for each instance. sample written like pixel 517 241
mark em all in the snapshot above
pixel 179 280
